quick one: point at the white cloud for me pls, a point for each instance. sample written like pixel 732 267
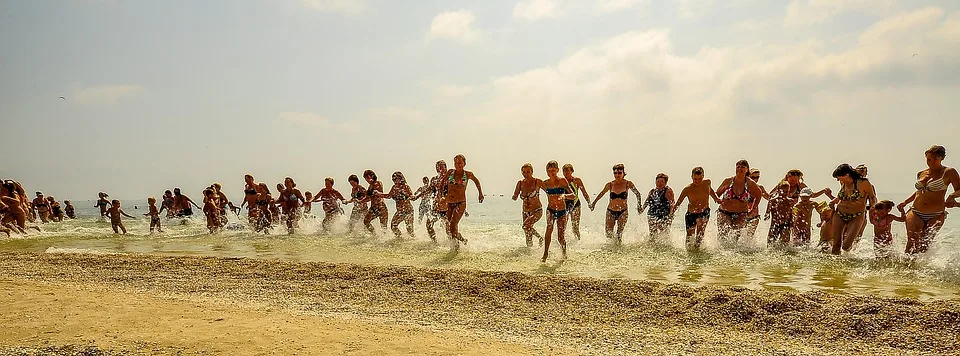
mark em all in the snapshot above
pixel 397 113
pixel 617 5
pixel 454 25
pixel 751 25
pixel 693 9
pixel 447 90
pixel 810 12
pixel 349 7
pixel 314 120
pixel 533 10
pixel 107 94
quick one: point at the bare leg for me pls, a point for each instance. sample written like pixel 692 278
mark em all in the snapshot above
pixel 575 221
pixel 456 213
pixel 701 229
pixel 621 224
pixel 528 227
pixel 561 228
pixel 547 237
pixel 395 223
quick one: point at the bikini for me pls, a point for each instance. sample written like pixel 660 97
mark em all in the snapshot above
pixel 556 191
pixel 855 196
pixel 730 195
pixel 463 182
pixel 534 194
pixel 615 214
pixel 936 185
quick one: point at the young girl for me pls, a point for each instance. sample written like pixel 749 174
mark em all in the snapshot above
pixel 307 202
pixel 573 204
pixel 401 194
pixel 455 185
pixel 826 227
pixel 802 216
pixel 528 189
pixel 115 214
pixel 617 207
pixel 154 215
pixel 558 190
pixel 425 194
pixel 881 219
pixel 330 200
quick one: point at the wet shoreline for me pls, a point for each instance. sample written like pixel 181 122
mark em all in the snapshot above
pixel 605 314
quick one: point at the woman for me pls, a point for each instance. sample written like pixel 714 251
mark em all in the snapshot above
pixel 573 205
pixel 753 219
pixel 357 195
pixel 616 216
pixel 439 209
pixel 737 195
pixel 660 202
pixel 378 209
pixel 264 202
pixel 558 191
pixel 849 207
pixel 249 199
pixel 330 199
pixel 455 185
pixel 42 206
pixel 528 189
pixel 930 201
pixel 401 194
pixel 291 198
pixel 15 210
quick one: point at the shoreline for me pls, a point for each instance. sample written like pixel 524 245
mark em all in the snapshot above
pixel 529 314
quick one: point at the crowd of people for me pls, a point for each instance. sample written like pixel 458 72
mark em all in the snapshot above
pixel 790 205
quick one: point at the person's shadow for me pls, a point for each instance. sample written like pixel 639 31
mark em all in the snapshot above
pixel 546 268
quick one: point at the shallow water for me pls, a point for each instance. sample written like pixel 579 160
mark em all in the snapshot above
pixel 497 243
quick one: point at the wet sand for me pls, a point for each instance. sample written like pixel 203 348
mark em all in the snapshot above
pixel 159 304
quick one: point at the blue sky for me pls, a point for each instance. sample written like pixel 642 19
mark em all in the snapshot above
pixel 184 93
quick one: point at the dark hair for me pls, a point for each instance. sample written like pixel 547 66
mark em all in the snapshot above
pixel 884 205
pixel 167 192
pixel 665 177
pixel 744 163
pixel 369 174
pixel 399 174
pixel 207 191
pixel 115 201
pixel 937 151
pixel 697 171
pixel 618 167
pixel 553 164
pixel 353 178
pixel 846 169
pixel 568 165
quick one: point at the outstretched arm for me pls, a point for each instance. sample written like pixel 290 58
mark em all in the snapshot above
pixel 606 188
pixel 124 213
pixel 636 192
pixel 683 195
pixel 583 189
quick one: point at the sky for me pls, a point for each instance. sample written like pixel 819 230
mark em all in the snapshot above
pixel 185 93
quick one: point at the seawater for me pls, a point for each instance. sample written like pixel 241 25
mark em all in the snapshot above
pixel 496 243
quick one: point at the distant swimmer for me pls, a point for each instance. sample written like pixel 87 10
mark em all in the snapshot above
pixel 63 98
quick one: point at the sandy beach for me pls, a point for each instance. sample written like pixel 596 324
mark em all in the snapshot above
pixel 105 304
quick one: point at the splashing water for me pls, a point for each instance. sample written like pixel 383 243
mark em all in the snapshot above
pixel 496 242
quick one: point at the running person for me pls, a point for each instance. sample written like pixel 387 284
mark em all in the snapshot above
pixel 573 205
pixel 928 212
pixel 330 199
pixel 660 201
pixel 558 191
pixel 617 208
pixel 849 209
pixel 699 193
pixel 378 209
pixel 439 211
pixel 401 194
pixel 528 190
pixel 357 195
pixel 737 195
pixel 455 186
pixel 425 194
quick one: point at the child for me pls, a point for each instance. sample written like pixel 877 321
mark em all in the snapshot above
pixel 154 215
pixel 210 210
pixel 881 219
pixel 699 193
pixel 307 202
pixel 115 213
pixel 69 210
pixel 802 215
pixel 826 228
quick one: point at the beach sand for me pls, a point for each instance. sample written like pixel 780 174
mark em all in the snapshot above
pixel 104 304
